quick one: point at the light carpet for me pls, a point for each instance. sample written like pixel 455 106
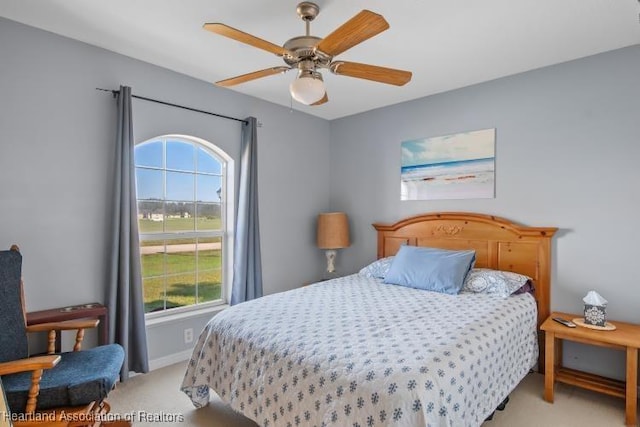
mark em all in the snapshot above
pixel 156 399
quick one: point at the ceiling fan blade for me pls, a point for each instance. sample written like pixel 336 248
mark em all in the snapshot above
pixel 371 72
pixel 241 36
pixel 361 27
pixel 324 99
pixel 252 76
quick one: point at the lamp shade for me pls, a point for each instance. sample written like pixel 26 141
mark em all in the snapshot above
pixel 333 230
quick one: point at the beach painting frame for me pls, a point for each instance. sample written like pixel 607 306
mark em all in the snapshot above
pixel 458 166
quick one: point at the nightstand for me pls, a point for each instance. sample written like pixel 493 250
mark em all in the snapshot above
pixel 626 337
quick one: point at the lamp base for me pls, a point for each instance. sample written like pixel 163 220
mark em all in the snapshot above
pixel 331 257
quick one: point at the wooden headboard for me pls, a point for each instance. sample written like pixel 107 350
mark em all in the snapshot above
pixel 499 244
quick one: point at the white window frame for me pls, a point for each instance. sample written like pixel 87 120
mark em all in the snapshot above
pixel 227 202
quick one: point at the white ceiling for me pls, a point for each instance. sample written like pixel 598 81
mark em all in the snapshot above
pixel 447 44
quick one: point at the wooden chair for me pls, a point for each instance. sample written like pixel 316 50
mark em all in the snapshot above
pixel 5 420
pixel 66 389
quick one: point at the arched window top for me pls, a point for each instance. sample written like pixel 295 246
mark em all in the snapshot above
pixel 184 153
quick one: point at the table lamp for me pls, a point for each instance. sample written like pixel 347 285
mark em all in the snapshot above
pixel 333 233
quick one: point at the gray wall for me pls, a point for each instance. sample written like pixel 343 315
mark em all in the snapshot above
pixel 567 156
pixel 567 148
pixel 56 161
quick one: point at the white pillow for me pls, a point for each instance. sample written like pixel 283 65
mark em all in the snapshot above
pixel 485 280
pixel 378 268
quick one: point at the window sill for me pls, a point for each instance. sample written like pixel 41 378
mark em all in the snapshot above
pixel 158 319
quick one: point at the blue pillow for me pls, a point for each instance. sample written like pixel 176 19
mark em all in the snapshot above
pixel 431 269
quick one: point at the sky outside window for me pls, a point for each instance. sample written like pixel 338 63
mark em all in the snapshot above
pixel 187 177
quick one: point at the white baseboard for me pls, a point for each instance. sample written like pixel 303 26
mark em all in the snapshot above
pixel 171 359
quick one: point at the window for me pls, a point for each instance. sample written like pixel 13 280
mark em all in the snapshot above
pixel 182 191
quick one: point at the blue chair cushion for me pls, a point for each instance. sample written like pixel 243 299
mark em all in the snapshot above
pixel 80 378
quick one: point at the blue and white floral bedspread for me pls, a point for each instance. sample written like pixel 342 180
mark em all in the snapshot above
pixel 356 352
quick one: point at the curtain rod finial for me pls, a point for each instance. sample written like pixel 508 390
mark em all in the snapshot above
pixel 114 93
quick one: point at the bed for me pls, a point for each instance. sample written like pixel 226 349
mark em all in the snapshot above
pixel 357 351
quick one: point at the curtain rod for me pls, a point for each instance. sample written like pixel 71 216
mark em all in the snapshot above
pixel 115 92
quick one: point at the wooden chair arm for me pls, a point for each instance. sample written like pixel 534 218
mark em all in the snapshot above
pixel 52 327
pixel 30 364
pixel 36 365
pixel 67 325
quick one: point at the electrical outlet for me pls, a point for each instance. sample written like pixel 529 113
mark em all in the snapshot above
pixel 188 335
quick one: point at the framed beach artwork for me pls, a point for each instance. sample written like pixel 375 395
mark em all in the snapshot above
pixel 459 166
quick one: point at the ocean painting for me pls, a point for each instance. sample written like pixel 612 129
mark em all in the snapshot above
pixel 460 166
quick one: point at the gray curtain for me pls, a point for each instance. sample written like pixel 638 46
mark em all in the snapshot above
pixel 124 294
pixel 247 265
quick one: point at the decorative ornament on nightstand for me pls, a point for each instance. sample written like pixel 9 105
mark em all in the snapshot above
pixel 333 233
pixel 595 309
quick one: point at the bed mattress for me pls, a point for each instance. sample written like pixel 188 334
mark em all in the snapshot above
pixel 355 351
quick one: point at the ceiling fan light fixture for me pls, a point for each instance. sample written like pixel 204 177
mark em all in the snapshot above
pixel 308 87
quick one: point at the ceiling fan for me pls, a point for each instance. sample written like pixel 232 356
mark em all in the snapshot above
pixel 308 54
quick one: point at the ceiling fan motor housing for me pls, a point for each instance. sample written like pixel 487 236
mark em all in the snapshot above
pixel 303 48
